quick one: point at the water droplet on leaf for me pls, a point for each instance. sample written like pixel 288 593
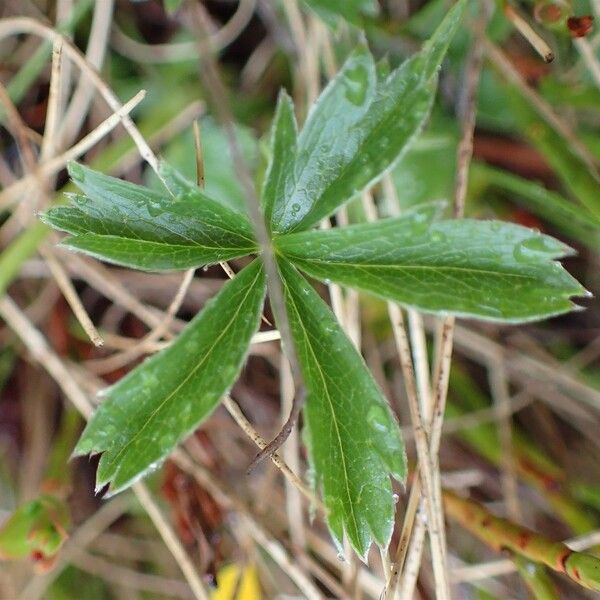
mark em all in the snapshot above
pixel 356 84
pixel 534 249
pixel 377 418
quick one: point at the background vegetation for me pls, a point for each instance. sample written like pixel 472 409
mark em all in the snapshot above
pixel 519 444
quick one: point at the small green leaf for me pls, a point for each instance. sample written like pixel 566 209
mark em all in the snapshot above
pixel 353 439
pixel 37 529
pixel 576 221
pixel 434 49
pixel 358 129
pixel 163 400
pixel 134 226
pixel 351 10
pixel 485 269
pixel 283 153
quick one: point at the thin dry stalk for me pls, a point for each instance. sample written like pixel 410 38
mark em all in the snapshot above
pixel 444 349
pixel 54 165
pixel 94 55
pixel 16 25
pixel 171 541
pixel 529 33
pixel 200 179
pixel 53 112
pixel 29 163
pixel 435 523
pixel 291 454
pixel 116 361
pixel 68 290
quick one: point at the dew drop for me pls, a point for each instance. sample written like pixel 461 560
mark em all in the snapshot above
pixel 295 208
pixel 154 209
pixel 437 237
pixel 377 418
pixel 356 84
pixel 534 249
pixel 341 557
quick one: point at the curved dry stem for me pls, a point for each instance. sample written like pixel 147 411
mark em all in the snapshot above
pixel 17 25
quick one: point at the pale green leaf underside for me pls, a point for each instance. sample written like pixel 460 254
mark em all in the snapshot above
pixel 483 269
pixel 164 399
pixel 357 129
pixel 134 226
pixel 353 439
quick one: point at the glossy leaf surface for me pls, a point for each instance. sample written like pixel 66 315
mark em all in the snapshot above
pixel 134 226
pixel 358 129
pixel 485 269
pixel 283 154
pixel 353 439
pixel 163 400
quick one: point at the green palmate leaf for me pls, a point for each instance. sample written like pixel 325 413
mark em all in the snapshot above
pixel 163 400
pixel 134 226
pixel 283 154
pixel 353 439
pixel 359 128
pixel 485 269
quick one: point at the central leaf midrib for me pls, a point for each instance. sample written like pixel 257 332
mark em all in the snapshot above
pixel 299 258
pixel 195 246
pixel 332 411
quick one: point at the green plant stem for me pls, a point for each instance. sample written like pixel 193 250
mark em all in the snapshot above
pixel 536 578
pixel 502 534
pixel 218 93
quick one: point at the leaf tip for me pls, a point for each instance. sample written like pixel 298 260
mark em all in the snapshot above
pixel 76 171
